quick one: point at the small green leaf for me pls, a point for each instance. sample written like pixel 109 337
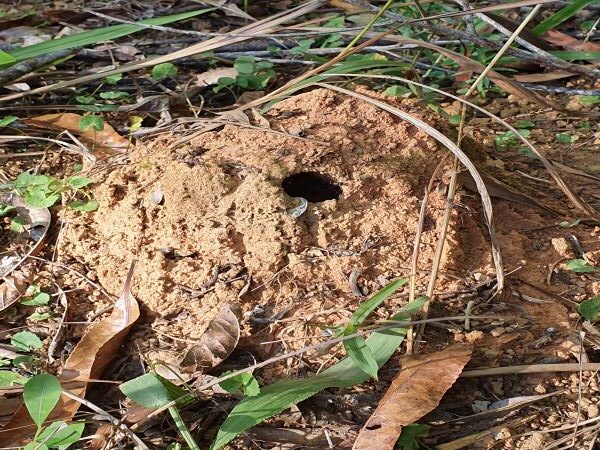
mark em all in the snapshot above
pixel 151 390
pixel 567 224
pixel 244 381
pixel 580 266
pixel 26 341
pixel 85 99
pixel 40 395
pixel 396 91
pixel 23 360
pixel 164 70
pixel 78 182
pixel 455 119
pixel 563 138
pixel 113 79
pixel 589 308
pixel 113 95
pixel 5 209
pixel 17 224
pixel 10 379
pixel 36 316
pixel 524 124
pixel 362 355
pixel 410 433
pixel 40 199
pixel 95 122
pixel 7 120
pixel 589 100
pixel 84 205
pixel 561 15
pixel 37 300
pixel 60 433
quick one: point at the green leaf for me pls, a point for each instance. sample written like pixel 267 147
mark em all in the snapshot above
pixel 455 119
pixel 113 95
pixel 361 354
pixel 563 138
pixel 281 395
pixel 60 433
pixel 367 307
pixel 410 433
pixel 85 99
pixel 587 100
pixel 151 390
pixel 23 360
pixel 84 205
pixel 245 64
pixel 95 122
pixel 40 395
pixel 567 224
pixel 524 124
pixel 36 316
pixel 10 379
pixel 560 16
pixel 37 300
pixel 580 266
pixel 589 308
pixel 164 70
pixel 26 341
pixel 40 199
pixel 5 209
pixel 35 446
pixel 7 120
pixel 78 181
pixel 95 36
pixel 113 79
pixel 244 382
pixel 575 55
pixel 396 91
pixel 6 58
pixel 17 224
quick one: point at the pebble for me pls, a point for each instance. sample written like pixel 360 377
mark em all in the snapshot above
pixel 540 389
pixel 499 331
pixel 593 411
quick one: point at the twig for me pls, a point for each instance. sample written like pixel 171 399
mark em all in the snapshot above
pixel 22 68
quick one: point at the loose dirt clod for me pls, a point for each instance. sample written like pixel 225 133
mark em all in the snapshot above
pixel 223 219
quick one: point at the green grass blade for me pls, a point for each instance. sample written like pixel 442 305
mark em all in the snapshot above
pixel 281 395
pixel 362 355
pixel 575 55
pixel 95 36
pixel 367 307
pixel 560 16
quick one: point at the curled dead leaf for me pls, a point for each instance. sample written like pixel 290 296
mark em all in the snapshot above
pixel 88 360
pixel 107 140
pixel 216 344
pixel 417 390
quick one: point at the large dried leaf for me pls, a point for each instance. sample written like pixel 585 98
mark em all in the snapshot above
pixel 417 390
pixel 90 357
pixel 569 42
pixel 216 344
pixel 105 140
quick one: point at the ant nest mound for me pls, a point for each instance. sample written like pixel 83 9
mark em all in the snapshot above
pixel 275 219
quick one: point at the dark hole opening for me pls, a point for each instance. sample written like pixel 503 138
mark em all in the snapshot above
pixel 312 186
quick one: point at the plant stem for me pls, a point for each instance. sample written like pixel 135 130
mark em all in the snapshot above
pixel 183 430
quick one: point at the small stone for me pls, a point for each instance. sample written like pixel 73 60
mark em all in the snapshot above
pixel 562 247
pixel 509 329
pixel 593 411
pixel 499 331
pixel 540 389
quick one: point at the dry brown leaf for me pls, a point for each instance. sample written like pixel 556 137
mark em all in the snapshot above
pixel 213 76
pixel 90 357
pixel 106 140
pixel 417 390
pixel 543 77
pixel 216 344
pixel 569 42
